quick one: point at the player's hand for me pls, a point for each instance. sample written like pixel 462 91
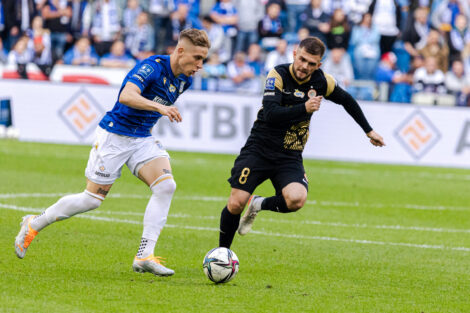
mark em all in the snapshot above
pixel 376 139
pixel 313 104
pixel 172 113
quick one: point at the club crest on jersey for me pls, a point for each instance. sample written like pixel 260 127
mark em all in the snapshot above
pixel 181 87
pixel 312 93
pixel 299 93
pixel 172 88
pixel 270 83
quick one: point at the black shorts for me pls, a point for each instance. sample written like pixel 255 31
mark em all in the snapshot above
pixel 252 168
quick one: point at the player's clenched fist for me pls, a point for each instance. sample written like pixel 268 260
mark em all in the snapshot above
pixel 172 113
pixel 313 104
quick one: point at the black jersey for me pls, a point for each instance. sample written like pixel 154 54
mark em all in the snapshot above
pixel 283 123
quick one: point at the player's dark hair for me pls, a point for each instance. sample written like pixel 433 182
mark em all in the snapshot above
pixel 313 45
pixel 197 37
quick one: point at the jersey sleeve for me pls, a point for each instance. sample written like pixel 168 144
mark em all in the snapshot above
pixel 145 74
pixel 274 112
pixel 273 87
pixel 330 84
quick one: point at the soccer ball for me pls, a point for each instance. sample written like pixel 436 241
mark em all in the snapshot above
pixel 220 265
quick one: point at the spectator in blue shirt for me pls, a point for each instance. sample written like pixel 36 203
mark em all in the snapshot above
pixel 140 41
pixel 225 14
pixel 365 40
pixel 270 27
pixel 129 16
pixel 106 27
pixel 117 57
pixel 81 53
pixel 254 59
pixel 213 68
pixel 181 20
pixel 316 20
pixel 57 16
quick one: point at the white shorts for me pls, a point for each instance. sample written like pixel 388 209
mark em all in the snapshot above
pixel 111 151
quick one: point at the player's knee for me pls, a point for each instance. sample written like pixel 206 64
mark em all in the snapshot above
pixel 164 186
pixel 235 206
pixel 295 203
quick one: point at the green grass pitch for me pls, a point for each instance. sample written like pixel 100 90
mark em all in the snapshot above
pixel 371 238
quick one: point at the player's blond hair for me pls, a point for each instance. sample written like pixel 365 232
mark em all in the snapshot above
pixel 197 37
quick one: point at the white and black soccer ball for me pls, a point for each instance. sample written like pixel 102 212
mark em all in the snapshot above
pixel 220 265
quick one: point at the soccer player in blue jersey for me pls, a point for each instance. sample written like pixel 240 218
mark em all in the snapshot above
pixel 123 137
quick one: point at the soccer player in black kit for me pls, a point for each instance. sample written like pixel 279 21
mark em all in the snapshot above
pixel 293 92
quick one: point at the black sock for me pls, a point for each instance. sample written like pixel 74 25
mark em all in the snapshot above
pixel 275 204
pixel 228 227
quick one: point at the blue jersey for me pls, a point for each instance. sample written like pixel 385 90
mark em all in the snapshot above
pixel 156 81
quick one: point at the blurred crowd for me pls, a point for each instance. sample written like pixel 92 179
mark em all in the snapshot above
pixel 394 50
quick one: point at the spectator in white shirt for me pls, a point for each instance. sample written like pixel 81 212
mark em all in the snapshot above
pixel 457 83
pixel 338 64
pixel 278 56
pixel 241 74
pixel 429 78
pixel 105 27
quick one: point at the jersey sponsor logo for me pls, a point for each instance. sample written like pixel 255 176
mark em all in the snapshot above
pixel 102 174
pixel 299 93
pixel 172 88
pixel 145 71
pixel 157 99
pixel 270 83
pixel 270 93
pixel 138 77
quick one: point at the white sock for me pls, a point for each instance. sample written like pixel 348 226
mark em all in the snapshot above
pixel 157 211
pixel 146 248
pixel 66 207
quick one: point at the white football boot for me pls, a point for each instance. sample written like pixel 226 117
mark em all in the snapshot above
pixel 151 264
pixel 25 236
pixel 246 222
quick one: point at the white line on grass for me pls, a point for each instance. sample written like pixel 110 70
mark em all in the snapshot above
pixel 223 199
pixel 272 220
pixel 322 203
pixel 296 236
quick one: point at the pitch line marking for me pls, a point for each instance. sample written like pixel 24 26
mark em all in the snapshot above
pixel 223 199
pixel 296 236
pixel 272 220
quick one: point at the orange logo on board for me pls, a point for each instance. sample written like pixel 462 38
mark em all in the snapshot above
pixel 417 134
pixel 81 114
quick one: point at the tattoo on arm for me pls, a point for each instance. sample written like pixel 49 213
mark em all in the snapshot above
pixel 102 191
pixel 166 171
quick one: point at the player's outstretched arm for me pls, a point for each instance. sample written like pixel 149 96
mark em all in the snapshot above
pixel 351 106
pixel 132 97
